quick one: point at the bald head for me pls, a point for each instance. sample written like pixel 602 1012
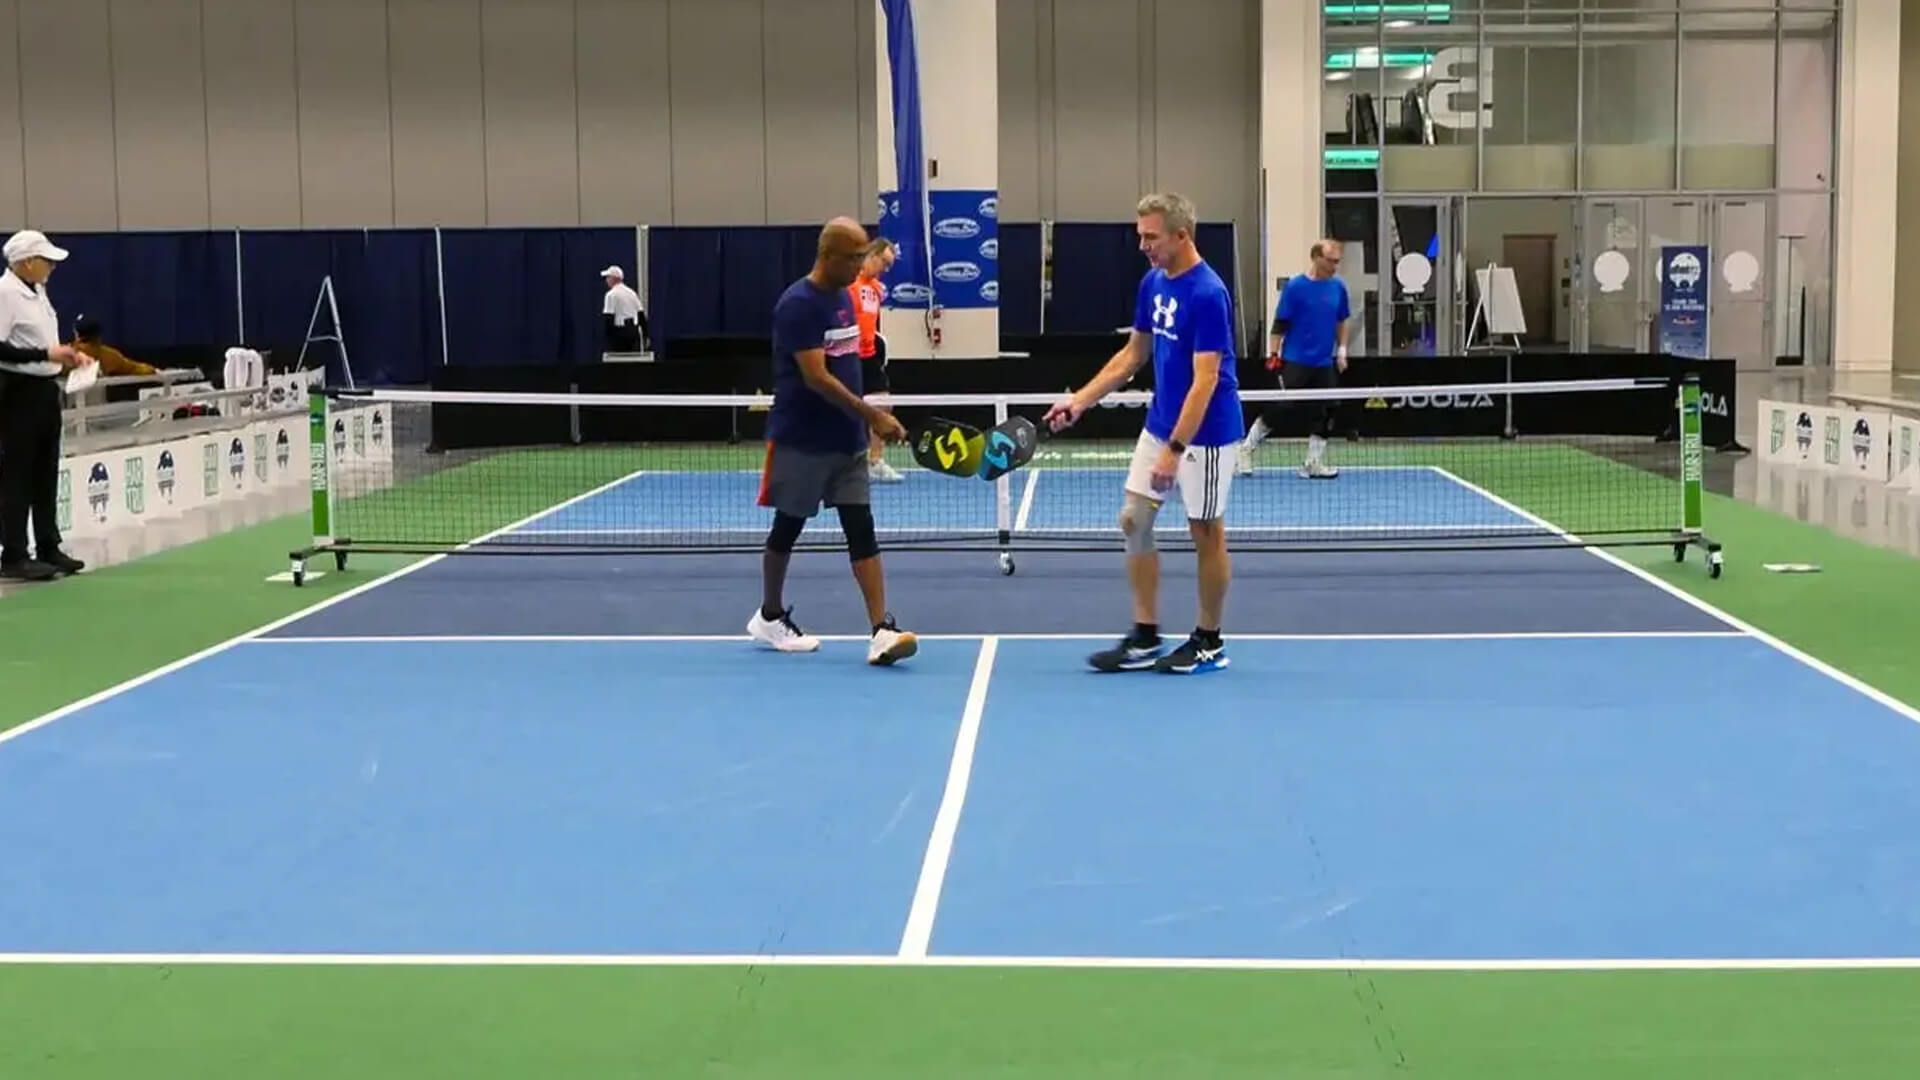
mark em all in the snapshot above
pixel 843 248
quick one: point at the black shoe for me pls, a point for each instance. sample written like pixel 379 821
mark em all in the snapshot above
pixel 62 561
pixel 1131 654
pixel 27 570
pixel 1194 657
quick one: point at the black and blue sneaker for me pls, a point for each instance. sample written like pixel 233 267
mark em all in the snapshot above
pixel 1138 651
pixel 1197 655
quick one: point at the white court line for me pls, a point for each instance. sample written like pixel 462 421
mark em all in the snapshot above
pixel 1110 963
pixel 1860 686
pixel 946 823
pixel 1026 503
pixel 167 669
pixel 664 639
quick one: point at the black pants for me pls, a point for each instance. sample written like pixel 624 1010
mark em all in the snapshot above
pixel 29 464
pixel 1322 415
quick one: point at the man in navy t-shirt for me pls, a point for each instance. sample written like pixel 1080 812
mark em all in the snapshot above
pixel 1309 348
pixel 1183 322
pixel 817 443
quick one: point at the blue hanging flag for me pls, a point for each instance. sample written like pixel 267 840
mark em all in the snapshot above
pixel 903 211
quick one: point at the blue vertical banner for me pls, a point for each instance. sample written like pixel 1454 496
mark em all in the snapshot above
pixel 903 211
pixel 1684 281
pixel 966 247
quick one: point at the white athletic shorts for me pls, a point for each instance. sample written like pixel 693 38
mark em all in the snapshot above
pixel 1204 476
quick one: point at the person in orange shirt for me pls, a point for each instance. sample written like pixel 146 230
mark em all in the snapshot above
pixel 868 294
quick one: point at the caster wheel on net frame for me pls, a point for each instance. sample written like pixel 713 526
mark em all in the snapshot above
pixel 1006 564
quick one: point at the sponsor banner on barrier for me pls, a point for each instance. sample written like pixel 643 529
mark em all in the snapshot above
pixel 1866 443
pixel 1790 433
pixel 1903 468
pixel 1854 442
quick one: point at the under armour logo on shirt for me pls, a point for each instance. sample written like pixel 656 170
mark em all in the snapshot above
pixel 1163 309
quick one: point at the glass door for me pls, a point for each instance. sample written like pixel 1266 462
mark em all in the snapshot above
pixel 1612 299
pixel 1738 311
pixel 1416 274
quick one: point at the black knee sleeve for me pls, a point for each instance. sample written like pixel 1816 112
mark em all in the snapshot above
pixel 856 520
pixel 786 530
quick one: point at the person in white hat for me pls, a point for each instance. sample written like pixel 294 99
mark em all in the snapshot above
pixel 32 361
pixel 626 322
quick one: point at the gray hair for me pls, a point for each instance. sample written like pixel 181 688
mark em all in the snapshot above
pixel 1176 211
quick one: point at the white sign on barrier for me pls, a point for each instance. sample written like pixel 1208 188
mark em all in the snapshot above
pixel 1904 467
pixel 1866 442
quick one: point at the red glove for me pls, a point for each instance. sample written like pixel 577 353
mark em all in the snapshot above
pixel 1273 362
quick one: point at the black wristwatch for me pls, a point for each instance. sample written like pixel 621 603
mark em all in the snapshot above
pixel 1176 446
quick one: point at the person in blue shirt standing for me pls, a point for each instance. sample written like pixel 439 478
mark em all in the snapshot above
pixel 1309 349
pixel 1183 323
pixel 817 444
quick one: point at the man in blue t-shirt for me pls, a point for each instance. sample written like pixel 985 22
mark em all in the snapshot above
pixel 1183 322
pixel 817 444
pixel 1309 349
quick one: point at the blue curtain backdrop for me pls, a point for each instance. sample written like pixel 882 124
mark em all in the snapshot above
pixel 528 296
pixel 1019 278
pixel 148 289
pixel 385 287
pixel 1097 269
pixel 723 282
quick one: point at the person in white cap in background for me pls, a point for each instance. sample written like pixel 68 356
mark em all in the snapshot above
pixel 626 322
pixel 32 363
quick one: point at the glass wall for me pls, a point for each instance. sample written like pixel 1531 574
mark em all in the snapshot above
pixel 1582 143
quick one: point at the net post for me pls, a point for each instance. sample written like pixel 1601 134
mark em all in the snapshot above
pixel 1003 492
pixel 322 505
pixel 1691 463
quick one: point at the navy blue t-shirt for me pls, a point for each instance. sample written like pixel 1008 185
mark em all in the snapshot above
pixel 809 317
pixel 1313 311
pixel 1189 314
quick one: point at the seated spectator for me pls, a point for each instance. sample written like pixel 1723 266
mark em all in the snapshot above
pixel 112 360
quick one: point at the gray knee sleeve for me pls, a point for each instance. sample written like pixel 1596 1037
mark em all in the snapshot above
pixel 1136 523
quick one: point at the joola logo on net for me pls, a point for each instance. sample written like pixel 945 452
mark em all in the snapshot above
pixel 1432 401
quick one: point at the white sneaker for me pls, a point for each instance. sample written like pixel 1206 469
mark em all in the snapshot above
pixel 882 473
pixel 781 633
pixel 1318 470
pixel 1255 436
pixel 891 644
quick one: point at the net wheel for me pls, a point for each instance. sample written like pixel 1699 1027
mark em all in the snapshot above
pixel 1679 553
pixel 1006 563
pixel 299 573
pixel 1714 562
pixel 340 561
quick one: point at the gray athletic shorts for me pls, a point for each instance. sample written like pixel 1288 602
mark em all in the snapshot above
pixel 798 482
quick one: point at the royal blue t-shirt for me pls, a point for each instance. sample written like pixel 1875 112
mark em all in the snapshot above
pixel 809 317
pixel 1185 315
pixel 1313 311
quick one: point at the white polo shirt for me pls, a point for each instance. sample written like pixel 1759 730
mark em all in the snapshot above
pixel 623 304
pixel 27 320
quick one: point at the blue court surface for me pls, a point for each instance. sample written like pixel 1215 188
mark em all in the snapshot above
pixel 1460 757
